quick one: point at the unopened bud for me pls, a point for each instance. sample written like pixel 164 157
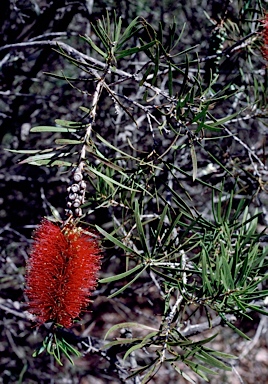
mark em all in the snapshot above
pixel 75 188
pixel 83 184
pixel 72 196
pixel 78 177
pixel 78 212
pixel 76 203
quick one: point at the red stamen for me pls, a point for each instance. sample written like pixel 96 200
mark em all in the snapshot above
pixel 61 272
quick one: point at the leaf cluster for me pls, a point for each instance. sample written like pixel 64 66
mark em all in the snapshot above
pixel 145 168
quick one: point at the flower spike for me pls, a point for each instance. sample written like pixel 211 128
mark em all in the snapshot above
pixel 61 272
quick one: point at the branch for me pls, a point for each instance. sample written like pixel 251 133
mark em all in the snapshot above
pixel 85 60
pixel 191 330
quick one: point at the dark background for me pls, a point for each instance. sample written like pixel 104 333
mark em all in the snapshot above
pixel 28 97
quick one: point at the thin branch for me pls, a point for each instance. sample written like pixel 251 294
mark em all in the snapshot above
pixel 85 60
pixel 195 329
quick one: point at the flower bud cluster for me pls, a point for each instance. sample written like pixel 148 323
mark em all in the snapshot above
pixel 76 194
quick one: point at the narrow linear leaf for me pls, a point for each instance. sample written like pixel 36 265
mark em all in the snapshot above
pixel 183 374
pixel 129 325
pixel 131 51
pixel 109 180
pixel 212 360
pixel 128 156
pixel 222 355
pixel 132 349
pixel 159 228
pixel 233 327
pixel 52 129
pixel 68 142
pixel 39 157
pixel 94 46
pixel 195 368
pixel 128 284
pixel 128 32
pixel 120 341
pixel 70 124
pixel 140 230
pixel 194 161
pixel 199 368
pixel 23 151
pixel 121 275
pixel 51 163
pixel 114 240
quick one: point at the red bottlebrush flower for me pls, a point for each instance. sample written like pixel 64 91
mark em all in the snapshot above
pixel 265 38
pixel 61 272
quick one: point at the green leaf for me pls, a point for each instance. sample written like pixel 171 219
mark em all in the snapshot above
pixel 128 33
pixel 141 231
pixel 191 343
pixel 70 124
pixel 194 161
pixel 258 309
pixel 114 240
pixel 209 359
pixel 134 348
pixel 46 159
pixel 217 122
pixel 207 273
pixel 234 328
pixel 51 163
pixel 120 341
pixel 199 368
pixel 222 355
pixel 131 51
pixel 94 46
pixel 129 325
pixel 183 374
pixel 128 284
pixel 109 180
pixel 146 74
pixel 226 273
pixel 84 109
pixel 68 142
pixel 52 129
pixel 159 228
pixel 121 275
pixel 39 157
pixel 170 80
pixel 23 151
pixel 128 156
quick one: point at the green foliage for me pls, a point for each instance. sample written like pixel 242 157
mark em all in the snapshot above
pixel 56 345
pixel 143 168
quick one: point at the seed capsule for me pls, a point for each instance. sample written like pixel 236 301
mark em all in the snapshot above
pixel 83 184
pixel 72 196
pixel 78 212
pixel 76 203
pixel 78 177
pixel 75 188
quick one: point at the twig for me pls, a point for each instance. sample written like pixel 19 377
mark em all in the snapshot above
pixel 191 330
pixel 262 329
pixel 85 60
pixel 250 152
